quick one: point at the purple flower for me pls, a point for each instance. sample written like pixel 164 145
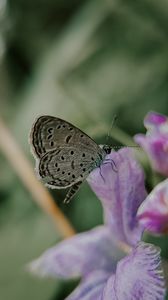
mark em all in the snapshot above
pixel 155 142
pixel 97 256
pixel 121 194
pixel 153 213
pixel 93 256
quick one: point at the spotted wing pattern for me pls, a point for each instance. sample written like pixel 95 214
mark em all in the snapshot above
pixel 63 167
pixel 65 155
pixel 49 133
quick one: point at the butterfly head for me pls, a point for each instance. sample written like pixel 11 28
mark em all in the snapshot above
pixel 107 149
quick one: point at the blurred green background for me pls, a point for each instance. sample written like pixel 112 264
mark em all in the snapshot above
pixel 83 61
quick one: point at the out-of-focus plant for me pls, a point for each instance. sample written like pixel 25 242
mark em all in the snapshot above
pixel 3 26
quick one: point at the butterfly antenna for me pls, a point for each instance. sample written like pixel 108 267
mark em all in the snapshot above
pixel 109 136
pixel 109 133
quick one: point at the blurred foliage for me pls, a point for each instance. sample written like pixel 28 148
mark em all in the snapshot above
pixel 84 61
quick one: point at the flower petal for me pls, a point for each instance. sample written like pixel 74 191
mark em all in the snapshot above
pixel 155 142
pixel 156 147
pixel 138 276
pixel 121 194
pixel 90 288
pixel 153 212
pixel 154 119
pixel 79 255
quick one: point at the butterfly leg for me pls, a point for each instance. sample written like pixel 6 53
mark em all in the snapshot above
pixel 72 191
pixel 101 174
pixel 113 164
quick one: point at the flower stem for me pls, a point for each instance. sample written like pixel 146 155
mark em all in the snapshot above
pixel 24 170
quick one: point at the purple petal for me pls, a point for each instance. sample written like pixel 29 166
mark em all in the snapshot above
pixel 156 147
pixel 121 194
pixel 138 276
pixel 91 288
pixel 153 213
pixel 109 292
pixel 155 142
pixel 79 255
pixel 154 119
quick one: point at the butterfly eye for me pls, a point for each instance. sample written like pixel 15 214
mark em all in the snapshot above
pixel 107 149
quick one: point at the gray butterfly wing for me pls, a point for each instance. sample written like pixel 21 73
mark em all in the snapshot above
pixel 65 155
pixel 65 166
pixel 50 133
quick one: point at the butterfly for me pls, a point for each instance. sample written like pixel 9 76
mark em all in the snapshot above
pixel 64 154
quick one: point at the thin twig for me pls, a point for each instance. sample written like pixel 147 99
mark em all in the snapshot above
pixel 24 170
